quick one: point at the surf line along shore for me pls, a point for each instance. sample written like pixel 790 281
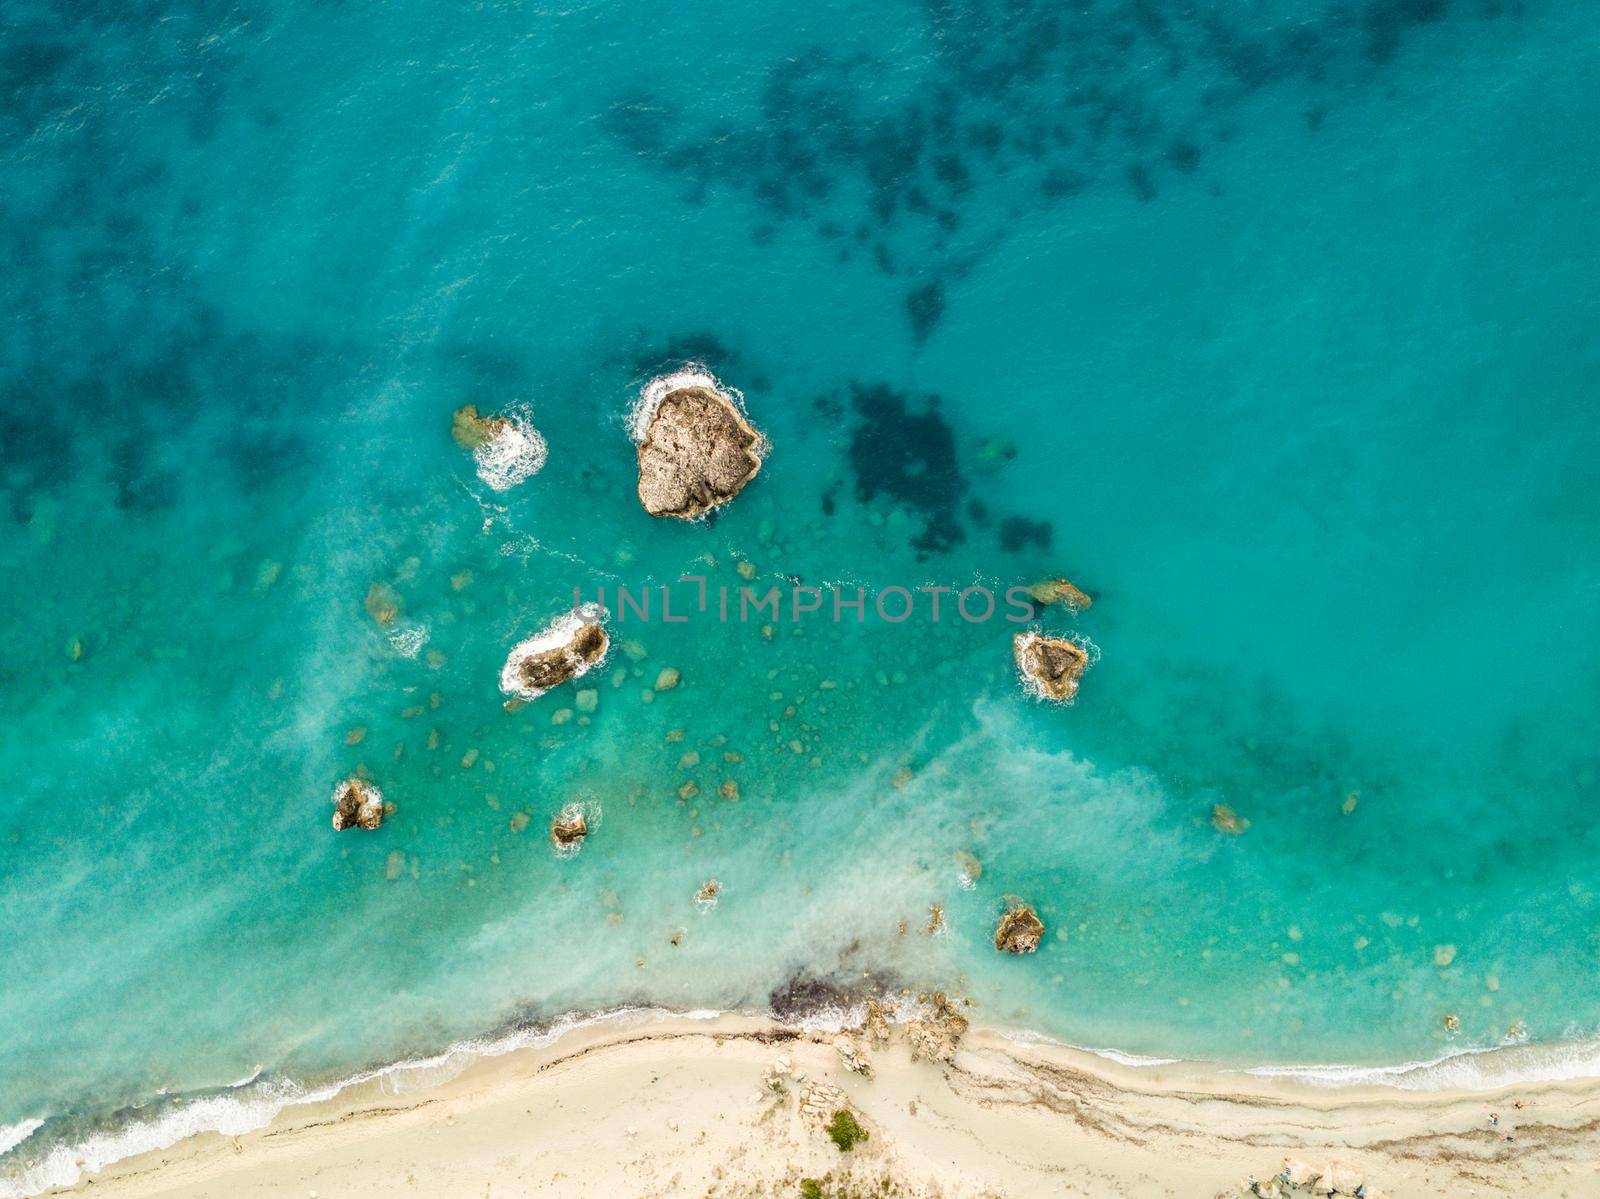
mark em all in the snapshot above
pixel 734 1104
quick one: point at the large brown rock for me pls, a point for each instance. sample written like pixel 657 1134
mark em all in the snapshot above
pixel 568 829
pixel 1019 931
pixel 357 804
pixel 1052 665
pixel 698 451
pixel 565 650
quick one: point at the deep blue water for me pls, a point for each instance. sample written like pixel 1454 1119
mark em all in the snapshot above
pixel 1277 328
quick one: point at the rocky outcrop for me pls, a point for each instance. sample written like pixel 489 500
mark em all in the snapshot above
pixel 855 1058
pixel 936 1035
pixel 568 649
pixel 876 1024
pixel 472 430
pixel 568 829
pixel 506 449
pixel 358 804
pixel 1051 666
pixel 698 451
pixel 1058 591
pixel 1019 930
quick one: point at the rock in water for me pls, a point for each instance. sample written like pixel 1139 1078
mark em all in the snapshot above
pixel 1019 930
pixel 1225 820
pixel 1051 666
pixel 698 451
pixel 506 449
pixel 1058 591
pixel 472 430
pixel 569 829
pixel 357 804
pixel 567 649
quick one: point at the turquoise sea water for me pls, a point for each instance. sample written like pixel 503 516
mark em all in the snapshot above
pixel 1289 314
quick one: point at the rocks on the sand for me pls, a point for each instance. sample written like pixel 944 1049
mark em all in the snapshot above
pixel 668 679
pixel 1050 666
pixel 569 828
pixel 1225 820
pixel 588 700
pixel 706 897
pixel 855 1058
pixel 1058 591
pixel 1019 930
pixel 567 649
pixel 394 866
pixel 358 804
pixel 936 1035
pixel 876 1023
pixel 697 451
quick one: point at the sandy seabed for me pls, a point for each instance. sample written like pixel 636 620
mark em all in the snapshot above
pixel 687 1107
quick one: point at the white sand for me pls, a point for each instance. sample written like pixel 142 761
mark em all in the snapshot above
pixel 678 1107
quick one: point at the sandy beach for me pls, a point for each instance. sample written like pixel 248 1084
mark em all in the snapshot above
pixel 737 1105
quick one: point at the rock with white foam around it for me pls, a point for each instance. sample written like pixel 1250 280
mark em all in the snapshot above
pixel 567 649
pixel 1051 666
pixel 698 451
pixel 358 804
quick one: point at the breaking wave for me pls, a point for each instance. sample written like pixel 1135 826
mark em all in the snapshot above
pixel 516 451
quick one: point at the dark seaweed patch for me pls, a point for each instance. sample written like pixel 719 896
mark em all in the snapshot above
pixel 925 307
pixel 1017 533
pixel 910 457
pixel 1059 97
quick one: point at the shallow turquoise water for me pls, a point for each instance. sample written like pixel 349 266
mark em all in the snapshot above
pixel 1290 319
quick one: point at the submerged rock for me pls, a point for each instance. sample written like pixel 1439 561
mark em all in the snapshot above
pixel 698 451
pixel 1019 930
pixel 383 603
pixel 1051 666
pixel 568 829
pixel 567 649
pixel 358 804
pixel 1058 591
pixel 472 430
pixel 1225 820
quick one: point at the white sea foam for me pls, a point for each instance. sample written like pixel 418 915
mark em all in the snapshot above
pixel 408 640
pixel 516 450
pixel 235 1114
pixel 1482 1069
pixel 12 1135
pixel 554 635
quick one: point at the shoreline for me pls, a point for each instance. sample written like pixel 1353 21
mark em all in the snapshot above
pixel 1010 1114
